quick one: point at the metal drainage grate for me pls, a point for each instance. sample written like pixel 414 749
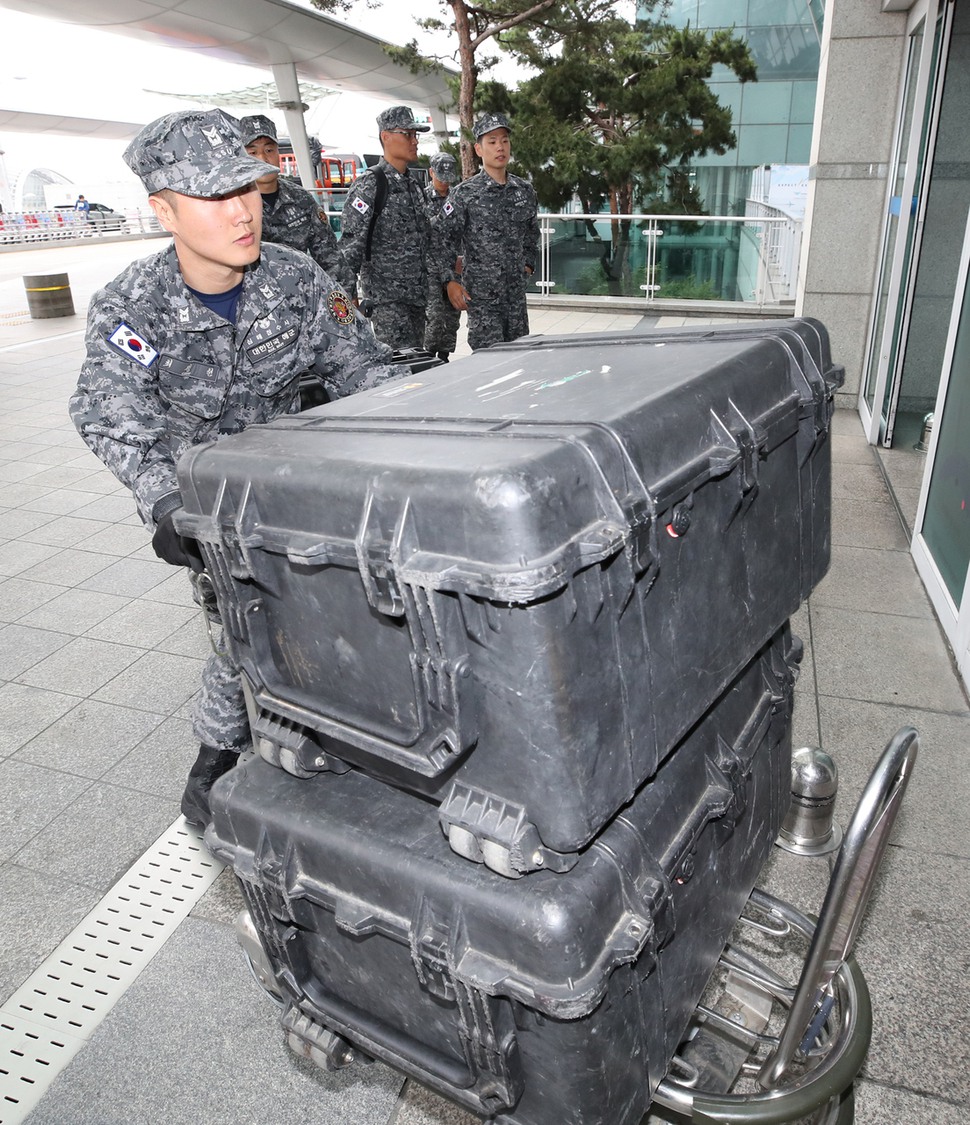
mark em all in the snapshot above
pixel 50 1017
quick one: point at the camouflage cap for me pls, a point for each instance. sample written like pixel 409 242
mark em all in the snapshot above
pixel 399 117
pixel 445 167
pixel 489 121
pixel 193 152
pixel 256 125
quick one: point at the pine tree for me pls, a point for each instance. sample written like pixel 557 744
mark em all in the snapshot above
pixel 616 111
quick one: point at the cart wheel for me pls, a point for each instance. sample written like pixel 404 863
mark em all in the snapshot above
pixel 839 1111
pixel 268 985
pixel 846 1108
pixel 714 1078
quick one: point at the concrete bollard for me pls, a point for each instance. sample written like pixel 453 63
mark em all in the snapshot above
pixel 49 295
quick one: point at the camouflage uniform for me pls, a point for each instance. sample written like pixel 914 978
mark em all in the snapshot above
pixel 293 216
pixel 295 220
pixel 441 331
pixel 395 279
pixel 494 228
pixel 163 372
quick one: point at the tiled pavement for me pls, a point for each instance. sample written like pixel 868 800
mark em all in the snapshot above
pixel 100 651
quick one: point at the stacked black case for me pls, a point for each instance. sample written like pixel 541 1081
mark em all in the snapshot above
pixel 534 605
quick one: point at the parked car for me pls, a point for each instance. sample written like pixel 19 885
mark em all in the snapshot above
pixel 100 216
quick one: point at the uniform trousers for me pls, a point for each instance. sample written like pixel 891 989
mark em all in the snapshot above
pixel 398 324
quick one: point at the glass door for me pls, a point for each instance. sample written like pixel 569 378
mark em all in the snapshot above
pixel 930 269
pixel 905 208
pixel 888 278
pixel 941 545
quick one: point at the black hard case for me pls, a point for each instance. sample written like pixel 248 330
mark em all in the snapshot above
pixel 313 390
pixel 553 1000
pixel 512 584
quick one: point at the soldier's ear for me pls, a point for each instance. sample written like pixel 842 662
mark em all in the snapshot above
pixel 164 211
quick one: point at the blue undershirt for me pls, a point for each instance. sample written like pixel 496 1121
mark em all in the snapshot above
pixel 222 304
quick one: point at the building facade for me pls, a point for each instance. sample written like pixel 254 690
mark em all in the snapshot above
pixel 772 117
pixel 886 259
pixel 873 97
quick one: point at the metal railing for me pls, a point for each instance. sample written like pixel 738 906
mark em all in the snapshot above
pixel 783 244
pixel 55 225
pixel 751 258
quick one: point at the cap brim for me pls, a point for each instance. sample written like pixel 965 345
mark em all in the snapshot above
pixel 228 176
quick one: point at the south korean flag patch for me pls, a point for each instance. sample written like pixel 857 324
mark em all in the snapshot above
pixel 136 347
pixel 359 205
pixel 448 207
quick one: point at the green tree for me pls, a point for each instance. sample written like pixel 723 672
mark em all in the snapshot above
pixel 616 111
pixel 475 26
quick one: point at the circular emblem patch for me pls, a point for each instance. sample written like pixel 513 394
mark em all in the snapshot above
pixel 341 308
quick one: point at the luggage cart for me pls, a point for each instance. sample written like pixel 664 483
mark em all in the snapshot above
pixel 538 961
pixel 785 1023
pixel 761 1050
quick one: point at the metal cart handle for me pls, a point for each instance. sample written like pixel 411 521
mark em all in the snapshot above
pixel 846 899
pixel 829 971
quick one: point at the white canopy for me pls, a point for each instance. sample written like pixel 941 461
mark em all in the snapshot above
pixel 292 42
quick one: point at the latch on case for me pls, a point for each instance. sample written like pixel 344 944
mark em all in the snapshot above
pixel 377 550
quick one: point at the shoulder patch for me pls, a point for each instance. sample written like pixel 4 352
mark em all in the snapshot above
pixel 136 347
pixel 341 307
pixel 448 207
pixel 360 205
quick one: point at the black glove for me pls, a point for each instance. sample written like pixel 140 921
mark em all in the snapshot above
pixel 179 550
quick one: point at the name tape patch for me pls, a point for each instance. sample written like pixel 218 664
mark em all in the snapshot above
pixel 273 346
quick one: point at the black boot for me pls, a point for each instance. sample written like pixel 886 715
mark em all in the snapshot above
pixel 211 763
pixel 443 356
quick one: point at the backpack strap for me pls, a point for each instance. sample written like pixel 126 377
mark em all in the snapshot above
pixel 380 198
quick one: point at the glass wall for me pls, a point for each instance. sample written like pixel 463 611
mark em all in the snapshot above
pixel 941 546
pixel 752 259
pixel 896 213
pixel 773 116
pixel 924 366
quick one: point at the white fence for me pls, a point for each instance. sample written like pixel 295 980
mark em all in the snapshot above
pixel 19 227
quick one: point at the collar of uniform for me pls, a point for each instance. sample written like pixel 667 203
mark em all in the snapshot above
pixel 190 315
pixel 288 189
pixel 491 182
pixel 260 295
pixel 390 170
pixel 261 292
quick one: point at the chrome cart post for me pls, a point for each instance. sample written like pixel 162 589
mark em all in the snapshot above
pixel 806 1067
